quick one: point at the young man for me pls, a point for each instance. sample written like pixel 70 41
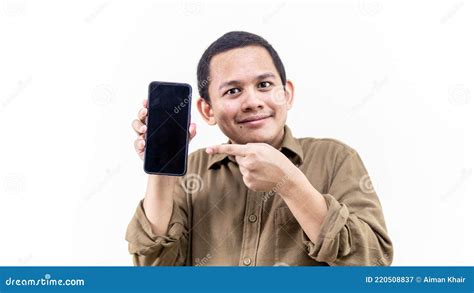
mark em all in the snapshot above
pixel 265 197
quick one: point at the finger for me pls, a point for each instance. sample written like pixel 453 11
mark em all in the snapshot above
pixel 229 149
pixel 139 145
pixel 192 130
pixel 142 114
pixel 245 165
pixel 145 103
pixel 138 126
pixel 240 162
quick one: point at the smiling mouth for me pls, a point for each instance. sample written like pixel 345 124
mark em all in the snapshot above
pixel 254 119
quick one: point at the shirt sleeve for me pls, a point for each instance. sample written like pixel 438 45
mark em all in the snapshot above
pixel 353 232
pixel 149 249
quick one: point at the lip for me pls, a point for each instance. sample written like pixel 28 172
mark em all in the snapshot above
pixel 254 120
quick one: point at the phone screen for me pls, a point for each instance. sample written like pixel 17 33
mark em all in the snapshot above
pixel 166 148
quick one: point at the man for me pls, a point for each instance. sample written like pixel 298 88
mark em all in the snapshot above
pixel 265 197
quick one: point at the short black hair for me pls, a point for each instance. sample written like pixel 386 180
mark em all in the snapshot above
pixel 229 41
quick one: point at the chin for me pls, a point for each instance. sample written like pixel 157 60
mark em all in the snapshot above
pixel 260 136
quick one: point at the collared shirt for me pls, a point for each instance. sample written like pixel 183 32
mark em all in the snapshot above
pixel 217 220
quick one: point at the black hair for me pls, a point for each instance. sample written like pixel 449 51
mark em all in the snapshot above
pixel 229 41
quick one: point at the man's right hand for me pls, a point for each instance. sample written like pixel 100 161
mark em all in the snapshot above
pixel 139 125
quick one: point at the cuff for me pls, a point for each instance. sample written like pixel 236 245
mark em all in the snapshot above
pixel 334 238
pixel 141 238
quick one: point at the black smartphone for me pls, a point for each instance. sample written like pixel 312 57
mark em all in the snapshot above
pixel 167 136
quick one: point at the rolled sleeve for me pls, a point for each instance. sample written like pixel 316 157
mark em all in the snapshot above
pixel 353 232
pixel 149 249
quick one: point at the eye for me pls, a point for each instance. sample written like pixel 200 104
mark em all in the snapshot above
pixel 264 84
pixel 232 91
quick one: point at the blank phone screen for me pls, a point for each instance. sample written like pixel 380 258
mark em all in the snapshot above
pixel 166 147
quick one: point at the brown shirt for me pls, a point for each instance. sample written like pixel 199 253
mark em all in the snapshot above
pixel 217 220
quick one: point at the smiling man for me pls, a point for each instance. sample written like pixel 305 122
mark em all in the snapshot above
pixel 265 197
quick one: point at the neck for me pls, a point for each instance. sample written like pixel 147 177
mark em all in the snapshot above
pixel 278 141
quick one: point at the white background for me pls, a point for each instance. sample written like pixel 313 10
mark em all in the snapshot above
pixel 394 80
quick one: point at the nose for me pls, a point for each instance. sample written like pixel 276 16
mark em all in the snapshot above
pixel 252 102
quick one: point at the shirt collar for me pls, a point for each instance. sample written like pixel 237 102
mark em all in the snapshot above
pixel 290 147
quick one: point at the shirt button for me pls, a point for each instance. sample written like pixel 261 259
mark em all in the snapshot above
pixel 247 261
pixel 252 218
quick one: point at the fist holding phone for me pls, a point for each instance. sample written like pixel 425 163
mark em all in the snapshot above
pixel 164 129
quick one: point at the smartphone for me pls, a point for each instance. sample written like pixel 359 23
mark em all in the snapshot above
pixel 167 136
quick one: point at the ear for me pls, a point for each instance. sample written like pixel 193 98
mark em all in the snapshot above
pixel 205 109
pixel 289 91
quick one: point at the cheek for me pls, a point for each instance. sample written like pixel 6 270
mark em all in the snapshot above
pixel 280 110
pixel 227 111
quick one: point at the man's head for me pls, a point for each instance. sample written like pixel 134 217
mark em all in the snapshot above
pixel 243 88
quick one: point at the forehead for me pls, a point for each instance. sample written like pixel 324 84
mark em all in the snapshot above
pixel 240 64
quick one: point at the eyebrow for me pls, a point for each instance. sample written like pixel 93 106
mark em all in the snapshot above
pixel 235 82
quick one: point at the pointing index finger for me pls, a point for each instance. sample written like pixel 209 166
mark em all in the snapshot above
pixel 229 149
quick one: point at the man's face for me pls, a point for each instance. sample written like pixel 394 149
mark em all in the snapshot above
pixel 248 101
